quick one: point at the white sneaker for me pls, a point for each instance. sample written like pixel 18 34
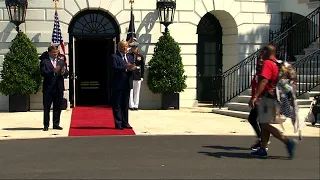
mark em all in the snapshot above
pixel 258 149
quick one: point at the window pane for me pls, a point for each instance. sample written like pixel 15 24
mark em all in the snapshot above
pixel 213 47
pixel 207 59
pixel 209 71
pixel 207 47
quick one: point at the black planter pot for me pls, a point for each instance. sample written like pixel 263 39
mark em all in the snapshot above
pixel 19 103
pixel 170 101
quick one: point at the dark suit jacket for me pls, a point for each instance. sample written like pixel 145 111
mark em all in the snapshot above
pixel 121 78
pixel 52 81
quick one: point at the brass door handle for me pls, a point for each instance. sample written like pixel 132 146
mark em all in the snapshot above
pixel 73 76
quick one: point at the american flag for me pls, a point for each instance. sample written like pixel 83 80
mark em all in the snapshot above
pixel 56 34
pixel 131 31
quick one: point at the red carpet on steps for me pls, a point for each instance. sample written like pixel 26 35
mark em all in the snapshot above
pixel 94 121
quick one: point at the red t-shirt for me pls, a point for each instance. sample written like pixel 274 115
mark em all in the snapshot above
pixel 270 71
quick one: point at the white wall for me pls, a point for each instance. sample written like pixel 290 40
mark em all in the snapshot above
pixel 302 7
pixel 245 26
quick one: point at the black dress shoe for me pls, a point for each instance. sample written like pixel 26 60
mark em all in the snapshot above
pixel 127 127
pixel 57 127
pixel 136 109
pixel 119 127
pixel 132 109
pixel 45 128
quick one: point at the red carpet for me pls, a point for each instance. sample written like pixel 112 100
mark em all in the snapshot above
pixel 94 121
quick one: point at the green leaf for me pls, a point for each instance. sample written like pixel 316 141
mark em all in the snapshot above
pixel 166 71
pixel 21 68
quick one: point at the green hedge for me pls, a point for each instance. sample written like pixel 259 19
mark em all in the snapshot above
pixel 166 71
pixel 21 68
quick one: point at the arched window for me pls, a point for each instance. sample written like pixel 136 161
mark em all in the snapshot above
pixel 209 56
pixel 91 22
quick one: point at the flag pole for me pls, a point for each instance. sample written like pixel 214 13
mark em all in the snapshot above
pixel 56 4
pixel 66 61
pixel 131 2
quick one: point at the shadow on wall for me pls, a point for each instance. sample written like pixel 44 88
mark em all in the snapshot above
pixel 4 35
pixel 36 38
pixel 148 100
pixel 255 37
pixel 147 24
pixel 8 34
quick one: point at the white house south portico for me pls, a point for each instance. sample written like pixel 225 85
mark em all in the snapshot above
pixel 213 35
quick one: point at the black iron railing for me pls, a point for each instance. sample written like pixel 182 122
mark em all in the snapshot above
pixel 308 72
pixel 238 78
pixel 286 23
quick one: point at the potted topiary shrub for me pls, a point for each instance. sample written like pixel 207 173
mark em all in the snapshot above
pixel 21 74
pixel 166 72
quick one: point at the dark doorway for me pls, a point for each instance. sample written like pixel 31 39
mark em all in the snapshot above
pixel 93 69
pixel 92 38
pixel 209 57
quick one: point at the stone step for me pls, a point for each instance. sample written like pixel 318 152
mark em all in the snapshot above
pixel 298 57
pixel 310 50
pixel 238 114
pixel 304 101
pixel 309 71
pixel 235 106
pixel 312 93
pixel 246 99
pixel 309 95
pixel 315 45
pixel 301 56
pixel 308 78
pixel 313 4
pixel 306 86
pixel 313 64
pixel 305 106
pixel 226 112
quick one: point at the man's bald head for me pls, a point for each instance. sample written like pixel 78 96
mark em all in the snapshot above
pixel 272 49
pixel 268 51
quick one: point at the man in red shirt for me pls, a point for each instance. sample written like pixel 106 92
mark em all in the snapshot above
pixel 253 115
pixel 267 103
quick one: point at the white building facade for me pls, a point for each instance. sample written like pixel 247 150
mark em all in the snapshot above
pixel 213 35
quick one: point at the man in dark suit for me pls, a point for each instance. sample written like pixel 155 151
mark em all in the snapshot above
pixel 122 66
pixel 54 70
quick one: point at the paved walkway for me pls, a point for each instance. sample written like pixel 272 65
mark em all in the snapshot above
pixel 155 157
pixel 187 121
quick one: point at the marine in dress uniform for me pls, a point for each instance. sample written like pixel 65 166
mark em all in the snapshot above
pixel 138 76
pixel 64 104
